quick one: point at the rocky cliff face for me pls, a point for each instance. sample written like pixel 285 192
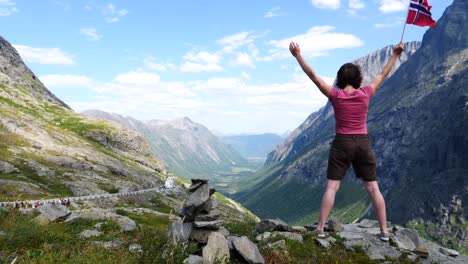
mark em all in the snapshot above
pixel 47 149
pixel 187 148
pixel 13 71
pixel 418 122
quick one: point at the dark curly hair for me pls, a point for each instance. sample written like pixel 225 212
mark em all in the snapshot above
pixel 350 74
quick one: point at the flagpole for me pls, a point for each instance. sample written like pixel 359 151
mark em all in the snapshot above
pixel 404 27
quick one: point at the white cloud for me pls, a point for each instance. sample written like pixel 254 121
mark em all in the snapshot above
pixel 232 42
pixel 274 12
pixel 326 4
pixel 356 4
pixel 57 81
pixel 202 57
pixel 44 55
pixel 243 59
pixel 112 14
pixel 7 7
pixel 91 34
pixel 138 78
pixel 389 6
pixel 201 62
pixel 397 22
pixel 199 67
pixel 88 7
pixel 317 41
pixel 151 64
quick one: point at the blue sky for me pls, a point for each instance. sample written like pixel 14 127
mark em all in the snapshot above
pixel 224 64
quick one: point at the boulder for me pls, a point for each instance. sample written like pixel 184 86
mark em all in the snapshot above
pixel 195 202
pixel 248 250
pixel 214 225
pixel 193 259
pixel 89 233
pixel 109 244
pixel 449 252
pixel 216 250
pixel 201 235
pixel 407 239
pixel 179 232
pixel 298 229
pixel 271 225
pixel 52 212
pixel 126 224
pixel 335 225
pixel 72 217
pixel 327 242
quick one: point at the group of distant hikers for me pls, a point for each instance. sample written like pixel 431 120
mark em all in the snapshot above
pixel 27 204
pixel 351 145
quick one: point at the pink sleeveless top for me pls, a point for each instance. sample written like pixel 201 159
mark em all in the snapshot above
pixel 351 110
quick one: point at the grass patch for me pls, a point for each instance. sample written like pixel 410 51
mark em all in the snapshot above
pixel 242 229
pixel 60 242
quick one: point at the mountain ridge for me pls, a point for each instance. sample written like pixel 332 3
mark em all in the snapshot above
pixel 187 148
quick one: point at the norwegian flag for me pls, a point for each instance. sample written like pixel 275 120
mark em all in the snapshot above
pixel 419 14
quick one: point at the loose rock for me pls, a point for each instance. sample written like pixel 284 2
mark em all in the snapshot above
pixel 334 225
pixel 271 225
pixel 52 212
pixel 248 250
pixel 89 233
pixel 449 252
pixel 193 259
pixel 135 248
pixel 216 250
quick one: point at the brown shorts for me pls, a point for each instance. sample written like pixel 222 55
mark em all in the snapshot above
pixel 351 149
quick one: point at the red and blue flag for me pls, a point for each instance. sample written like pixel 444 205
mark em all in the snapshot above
pixel 419 14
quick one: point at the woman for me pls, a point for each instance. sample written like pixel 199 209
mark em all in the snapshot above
pixel 351 144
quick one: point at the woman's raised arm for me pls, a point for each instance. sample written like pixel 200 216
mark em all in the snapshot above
pixel 321 84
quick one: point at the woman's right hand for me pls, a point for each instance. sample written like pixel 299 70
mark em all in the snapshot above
pixel 294 49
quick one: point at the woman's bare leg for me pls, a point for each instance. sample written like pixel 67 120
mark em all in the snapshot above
pixel 379 203
pixel 327 202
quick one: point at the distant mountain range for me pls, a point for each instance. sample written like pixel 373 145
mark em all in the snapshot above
pixel 187 148
pixel 253 146
pixel 418 123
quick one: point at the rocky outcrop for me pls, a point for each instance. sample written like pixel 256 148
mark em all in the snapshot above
pixel 364 237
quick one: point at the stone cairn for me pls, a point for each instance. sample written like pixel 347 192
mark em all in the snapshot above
pixel 199 223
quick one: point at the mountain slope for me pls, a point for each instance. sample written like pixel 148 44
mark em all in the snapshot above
pixel 418 122
pixel 187 148
pixel 48 150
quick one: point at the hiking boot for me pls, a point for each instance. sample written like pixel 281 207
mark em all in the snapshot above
pixel 385 237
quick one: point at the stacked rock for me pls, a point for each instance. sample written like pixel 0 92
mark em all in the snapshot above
pixel 200 210
pixel 200 224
